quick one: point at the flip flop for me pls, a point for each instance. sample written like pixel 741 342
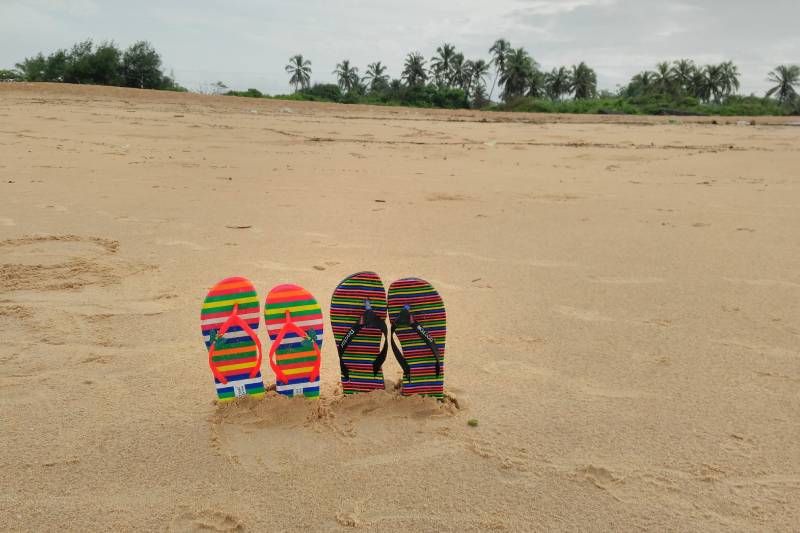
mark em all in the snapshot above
pixel 358 320
pixel 419 321
pixel 228 320
pixel 294 324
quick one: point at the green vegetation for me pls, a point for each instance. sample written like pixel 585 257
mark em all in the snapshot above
pixel 651 105
pixel 786 78
pixel 105 64
pixel 473 422
pixel 449 80
pixel 299 70
pixel 10 75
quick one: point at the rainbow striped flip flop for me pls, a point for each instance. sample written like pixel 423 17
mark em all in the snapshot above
pixel 358 319
pixel 419 321
pixel 228 320
pixel 294 324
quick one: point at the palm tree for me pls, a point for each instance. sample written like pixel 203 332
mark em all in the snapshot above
pixel 414 73
pixel 442 64
pixel 683 72
pixel 499 50
pixel 700 87
pixel 730 78
pixel 458 72
pixel 664 81
pixel 376 76
pixel 299 71
pixel 346 76
pixel 785 78
pixel 584 81
pixel 536 84
pixel 519 67
pixel 713 82
pixel 640 85
pixel 475 73
pixel 558 83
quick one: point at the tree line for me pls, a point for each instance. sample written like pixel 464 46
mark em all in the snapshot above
pixel 449 79
pixel 679 86
pixel 137 66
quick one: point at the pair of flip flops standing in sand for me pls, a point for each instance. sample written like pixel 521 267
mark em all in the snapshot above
pixel 231 314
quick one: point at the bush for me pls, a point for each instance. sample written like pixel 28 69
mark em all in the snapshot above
pixel 10 75
pixel 649 105
pixel 250 93
pixel 323 92
pixel 139 66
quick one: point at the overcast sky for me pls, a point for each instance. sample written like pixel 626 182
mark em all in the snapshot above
pixel 246 43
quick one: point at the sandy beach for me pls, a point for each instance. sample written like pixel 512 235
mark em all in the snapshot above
pixel 623 299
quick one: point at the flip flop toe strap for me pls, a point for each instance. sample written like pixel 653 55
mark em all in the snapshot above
pixel 369 319
pixel 404 318
pixel 233 320
pixel 290 327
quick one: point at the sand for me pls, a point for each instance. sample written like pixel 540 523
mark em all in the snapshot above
pixel 623 298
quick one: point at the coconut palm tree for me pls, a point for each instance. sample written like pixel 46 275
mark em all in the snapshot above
pixel 458 72
pixel 700 87
pixel 519 67
pixel 537 86
pixel 475 73
pixel 730 78
pixel 376 77
pixel 347 76
pixel 558 82
pixel 713 83
pixel 584 81
pixel 299 70
pixel 640 85
pixel 499 50
pixel 414 73
pixel 442 64
pixel 683 71
pixel 785 78
pixel 664 83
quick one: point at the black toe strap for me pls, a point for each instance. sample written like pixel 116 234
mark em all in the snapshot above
pixel 405 319
pixel 369 319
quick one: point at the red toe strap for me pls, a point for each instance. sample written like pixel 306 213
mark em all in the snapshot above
pixel 290 327
pixel 234 320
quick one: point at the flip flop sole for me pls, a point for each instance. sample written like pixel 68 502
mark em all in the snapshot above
pixel 295 357
pixel 236 355
pixel 347 307
pixel 427 308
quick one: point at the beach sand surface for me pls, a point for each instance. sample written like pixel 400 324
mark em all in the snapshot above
pixel 623 299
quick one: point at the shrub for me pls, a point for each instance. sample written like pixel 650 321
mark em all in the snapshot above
pixel 250 93
pixel 325 92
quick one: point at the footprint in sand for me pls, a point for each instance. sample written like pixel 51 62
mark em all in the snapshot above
pixel 600 477
pixel 62 262
pixel 277 433
pixel 207 520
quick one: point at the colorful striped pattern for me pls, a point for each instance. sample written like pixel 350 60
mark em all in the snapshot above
pixel 347 307
pixel 235 354
pixel 295 356
pixel 427 308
